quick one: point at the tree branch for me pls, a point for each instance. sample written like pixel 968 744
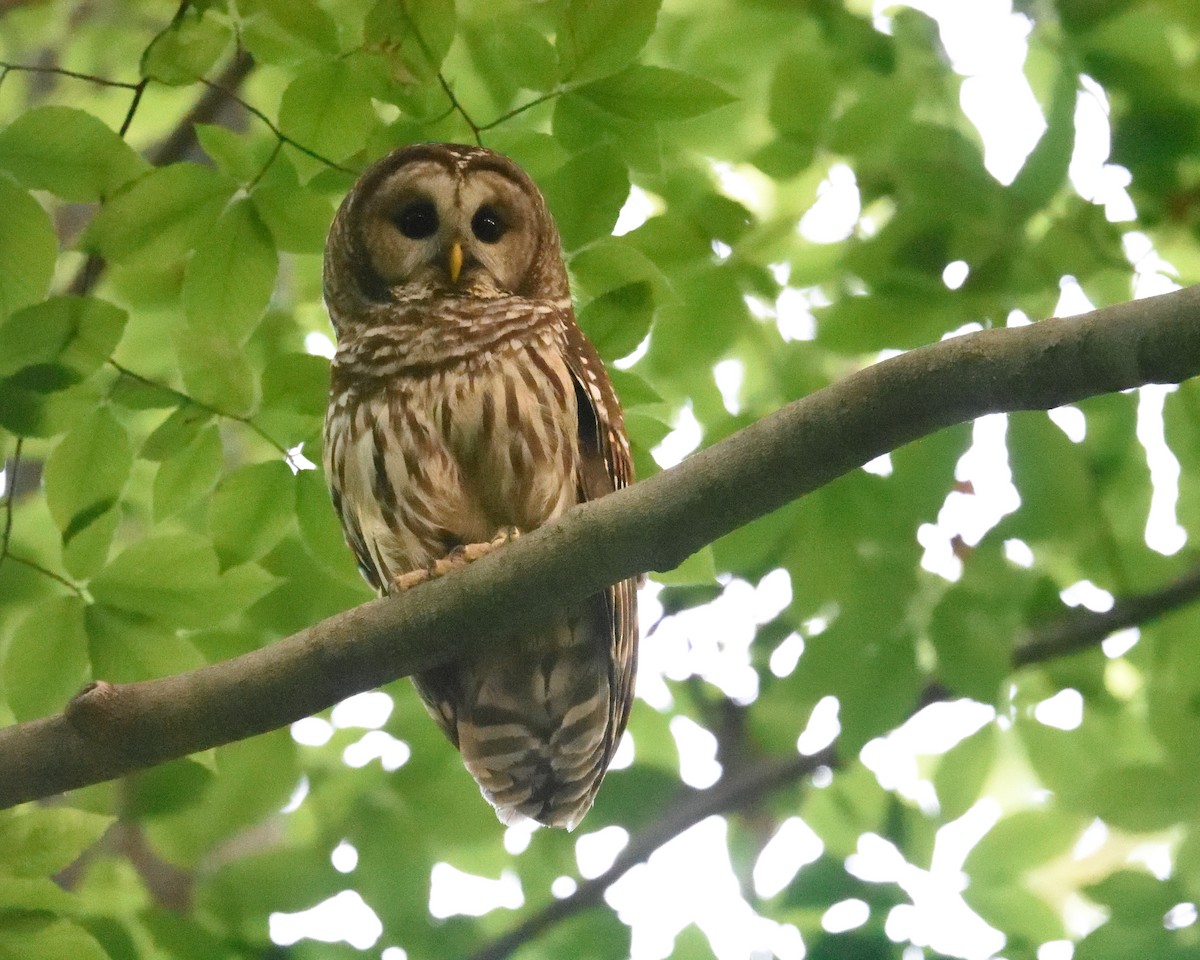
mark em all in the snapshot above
pixel 109 730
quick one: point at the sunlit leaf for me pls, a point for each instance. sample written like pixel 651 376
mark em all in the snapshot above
pixel 68 152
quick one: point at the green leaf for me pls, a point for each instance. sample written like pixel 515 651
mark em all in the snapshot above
pixel 215 371
pixel 416 33
pixel 963 770
pixel 28 248
pixel 319 526
pixel 1144 798
pixel 1015 910
pixel 68 152
pixel 40 841
pixel 126 647
pixel 327 109
pixel 231 275
pixel 252 509
pixel 187 49
pixel 974 626
pixel 87 472
pixel 241 156
pixel 598 37
pixel 85 548
pixel 176 432
pixel 617 321
pixel 32 412
pixel 297 218
pixel 281 31
pixel 586 195
pixel 36 938
pixel 46 662
pixel 165 789
pixel 297 382
pixel 74 334
pixel 1022 841
pixel 169 577
pixel 159 217
pixel 35 895
pixel 651 94
pixel 803 90
pixel 187 476
pixel 699 568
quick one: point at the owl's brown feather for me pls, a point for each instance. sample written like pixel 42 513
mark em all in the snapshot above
pixel 465 405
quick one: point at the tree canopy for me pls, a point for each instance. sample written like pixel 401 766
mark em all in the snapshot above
pixel 977 652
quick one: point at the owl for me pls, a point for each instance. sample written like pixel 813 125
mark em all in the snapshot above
pixel 467 406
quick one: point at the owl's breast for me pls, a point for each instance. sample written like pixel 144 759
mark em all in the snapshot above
pixel 511 424
pixel 422 459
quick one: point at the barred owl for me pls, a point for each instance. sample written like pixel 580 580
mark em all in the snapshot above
pixel 466 404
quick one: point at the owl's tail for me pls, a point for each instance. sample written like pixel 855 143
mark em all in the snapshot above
pixel 536 735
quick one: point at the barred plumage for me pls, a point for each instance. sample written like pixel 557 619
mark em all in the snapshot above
pixel 465 402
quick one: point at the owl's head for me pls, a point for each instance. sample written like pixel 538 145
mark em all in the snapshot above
pixel 443 220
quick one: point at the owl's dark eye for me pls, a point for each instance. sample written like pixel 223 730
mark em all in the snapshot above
pixel 418 219
pixel 487 224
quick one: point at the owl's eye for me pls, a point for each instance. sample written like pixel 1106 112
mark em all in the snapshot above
pixel 488 225
pixel 418 220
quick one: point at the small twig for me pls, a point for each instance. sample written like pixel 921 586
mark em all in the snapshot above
pixel 517 111
pixel 462 112
pixel 13 468
pixel 175 146
pixel 216 412
pixel 279 134
pixel 46 572
pixel 1083 629
pixel 62 72
pixel 10 498
pixel 133 105
pixel 266 166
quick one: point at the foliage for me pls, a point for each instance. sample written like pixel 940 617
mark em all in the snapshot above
pixel 166 186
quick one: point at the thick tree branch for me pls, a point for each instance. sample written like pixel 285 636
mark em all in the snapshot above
pixel 109 730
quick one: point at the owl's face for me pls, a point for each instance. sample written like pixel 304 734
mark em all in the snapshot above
pixel 443 220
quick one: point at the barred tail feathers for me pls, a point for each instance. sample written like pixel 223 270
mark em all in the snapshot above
pixel 536 736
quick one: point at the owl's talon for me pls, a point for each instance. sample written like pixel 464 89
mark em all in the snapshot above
pixel 460 556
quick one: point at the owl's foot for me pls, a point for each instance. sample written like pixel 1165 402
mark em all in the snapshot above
pixel 460 556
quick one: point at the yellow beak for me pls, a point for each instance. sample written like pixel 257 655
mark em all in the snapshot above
pixel 455 261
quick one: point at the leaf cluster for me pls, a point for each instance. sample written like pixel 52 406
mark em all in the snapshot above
pixel 163 372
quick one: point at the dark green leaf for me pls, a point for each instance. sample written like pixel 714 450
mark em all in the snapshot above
pixel 617 321
pixel 76 334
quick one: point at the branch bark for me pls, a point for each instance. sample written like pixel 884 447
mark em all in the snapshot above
pixel 109 730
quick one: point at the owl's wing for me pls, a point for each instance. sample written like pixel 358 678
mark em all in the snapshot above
pixel 606 464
